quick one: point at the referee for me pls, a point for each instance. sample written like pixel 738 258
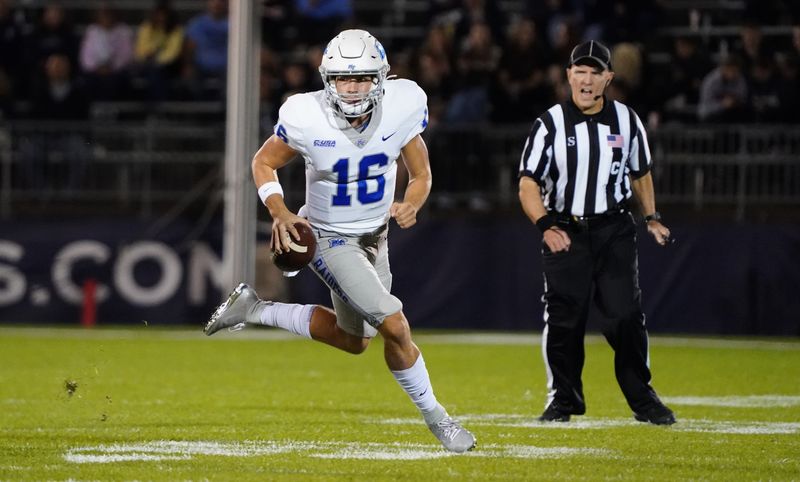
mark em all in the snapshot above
pixel 584 159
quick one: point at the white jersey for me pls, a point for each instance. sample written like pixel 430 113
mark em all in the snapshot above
pixel 350 174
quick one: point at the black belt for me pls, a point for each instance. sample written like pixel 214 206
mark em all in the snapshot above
pixel 371 239
pixel 369 242
pixel 592 221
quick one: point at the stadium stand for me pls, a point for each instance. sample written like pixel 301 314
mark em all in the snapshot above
pixel 145 153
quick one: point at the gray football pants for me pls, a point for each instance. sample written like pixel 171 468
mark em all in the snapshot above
pixel 356 269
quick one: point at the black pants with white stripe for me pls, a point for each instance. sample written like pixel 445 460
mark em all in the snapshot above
pixel 601 265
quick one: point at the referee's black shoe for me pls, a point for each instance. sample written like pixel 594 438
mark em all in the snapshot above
pixel 554 413
pixel 657 414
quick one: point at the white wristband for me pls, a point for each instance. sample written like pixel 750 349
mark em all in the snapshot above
pixel 268 189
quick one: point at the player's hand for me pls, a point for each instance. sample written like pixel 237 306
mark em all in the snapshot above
pixel 283 228
pixel 659 232
pixel 404 213
pixel 557 240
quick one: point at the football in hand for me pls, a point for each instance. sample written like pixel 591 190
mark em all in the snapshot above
pixel 300 253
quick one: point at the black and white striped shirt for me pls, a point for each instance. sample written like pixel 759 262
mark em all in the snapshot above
pixel 583 163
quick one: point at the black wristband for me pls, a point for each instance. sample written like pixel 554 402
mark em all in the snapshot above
pixel 545 222
pixel 656 216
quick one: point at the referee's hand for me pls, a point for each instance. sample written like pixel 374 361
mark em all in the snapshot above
pixel 659 232
pixel 557 239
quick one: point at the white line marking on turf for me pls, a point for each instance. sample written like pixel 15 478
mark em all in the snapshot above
pixel 743 428
pixel 172 450
pixel 185 450
pixel 746 401
pixel 127 457
pixel 589 423
pixel 418 452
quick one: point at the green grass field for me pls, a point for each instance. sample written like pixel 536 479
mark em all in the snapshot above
pixel 155 404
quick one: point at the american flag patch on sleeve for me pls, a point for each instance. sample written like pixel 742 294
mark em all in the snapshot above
pixel 615 140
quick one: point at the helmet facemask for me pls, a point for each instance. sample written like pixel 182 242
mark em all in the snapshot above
pixel 354 53
pixel 354 104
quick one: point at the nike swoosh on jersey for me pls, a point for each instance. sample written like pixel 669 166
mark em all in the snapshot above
pixel 383 138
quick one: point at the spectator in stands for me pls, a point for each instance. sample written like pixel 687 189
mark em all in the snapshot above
pixel 793 50
pixel 521 89
pixel 268 86
pixel 106 55
pixel 627 74
pixel 764 89
pixel 432 68
pixel 563 37
pixel 477 60
pixel 429 76
pixel 751 48
pixel 159 43
pixel 677 89
pixel 277 18
pixel 320 20
pixel 438 44
pixel 206 51
pixel 53 34
pixel 723 95
pixel 57 96
pixel 313 57
pixel 294 80
pixel 552 15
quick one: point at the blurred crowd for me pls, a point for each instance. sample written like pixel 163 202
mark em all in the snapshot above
pixel 477 62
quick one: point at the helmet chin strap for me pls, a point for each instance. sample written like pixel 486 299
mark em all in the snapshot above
pixel 353 115
pixel 366 106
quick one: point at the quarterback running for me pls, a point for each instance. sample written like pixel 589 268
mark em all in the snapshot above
pixel 350 135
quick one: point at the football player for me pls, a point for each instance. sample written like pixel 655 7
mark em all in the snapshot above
pixel 350 135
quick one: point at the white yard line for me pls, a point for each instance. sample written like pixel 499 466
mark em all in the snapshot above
pixel 173 450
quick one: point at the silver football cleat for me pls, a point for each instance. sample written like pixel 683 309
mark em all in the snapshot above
pixel 453 436
pixel 241 308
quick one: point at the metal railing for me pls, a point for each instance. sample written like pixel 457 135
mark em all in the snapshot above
pixel 741 165
pixel 142 166
pixel 152 166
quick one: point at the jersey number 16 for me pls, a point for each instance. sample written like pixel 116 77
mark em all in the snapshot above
pixel 341 168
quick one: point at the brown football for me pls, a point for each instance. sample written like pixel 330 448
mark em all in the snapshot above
pixel 301 251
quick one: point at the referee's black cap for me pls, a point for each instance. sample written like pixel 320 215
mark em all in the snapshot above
pixel 591 52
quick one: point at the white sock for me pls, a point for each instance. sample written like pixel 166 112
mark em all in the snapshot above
pixel 417 384
pixel 291 317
